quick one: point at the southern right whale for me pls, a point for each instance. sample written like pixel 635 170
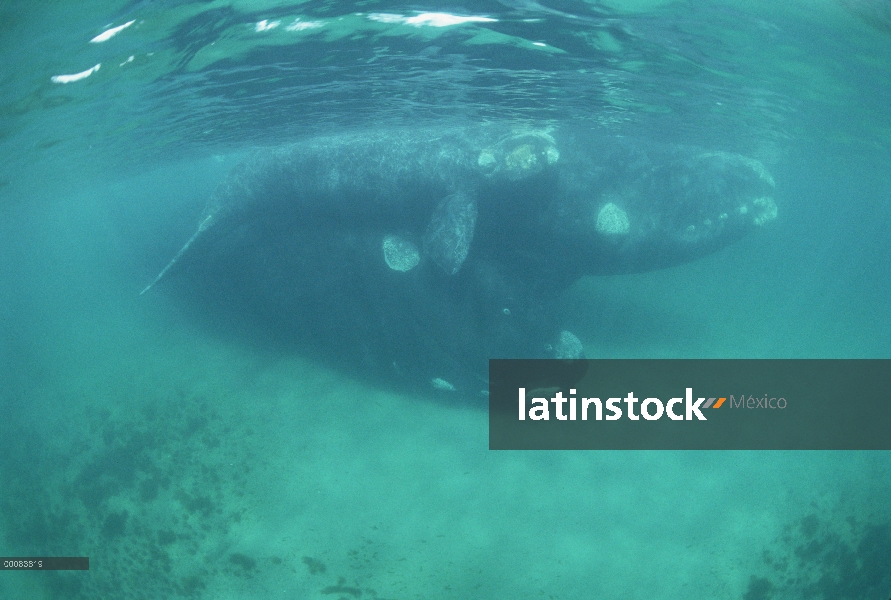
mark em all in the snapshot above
pixel 416 255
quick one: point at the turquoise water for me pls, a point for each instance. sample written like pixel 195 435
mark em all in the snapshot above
pixel 188 460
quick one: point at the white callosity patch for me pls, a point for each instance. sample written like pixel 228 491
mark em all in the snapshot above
pixel 400 254
pixel 763 208
pixel 760 169
pixel 487 161
pixel 520 155
pixel 442 385
pixel 755 165
pixel 767 210
pixel 612 220
pixel 569 346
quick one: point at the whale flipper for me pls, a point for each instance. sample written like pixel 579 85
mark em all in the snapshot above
pixel 450 231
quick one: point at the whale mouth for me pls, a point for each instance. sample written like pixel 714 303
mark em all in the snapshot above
pixel 718 194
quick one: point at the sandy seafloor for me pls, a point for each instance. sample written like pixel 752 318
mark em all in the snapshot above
pixel 192 462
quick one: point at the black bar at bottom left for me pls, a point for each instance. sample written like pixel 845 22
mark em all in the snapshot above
pixel 44 563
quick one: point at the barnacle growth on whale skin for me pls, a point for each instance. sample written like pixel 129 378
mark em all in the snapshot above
pixel 519 155
pixel 729 158
pixel 487 161
pixel 442 385
pixel 569 346
pixel 763 208
pixel 612 220
pixel 400 254
pixel 767 210
pixel 521 158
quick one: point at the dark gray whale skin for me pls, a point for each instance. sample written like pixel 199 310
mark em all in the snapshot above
pixel 296 239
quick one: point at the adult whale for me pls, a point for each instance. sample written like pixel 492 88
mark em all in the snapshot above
pixel 415 255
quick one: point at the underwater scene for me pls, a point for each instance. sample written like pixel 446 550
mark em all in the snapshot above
pixel 255 256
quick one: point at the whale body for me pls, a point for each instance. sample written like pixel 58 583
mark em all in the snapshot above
pixel 416 255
